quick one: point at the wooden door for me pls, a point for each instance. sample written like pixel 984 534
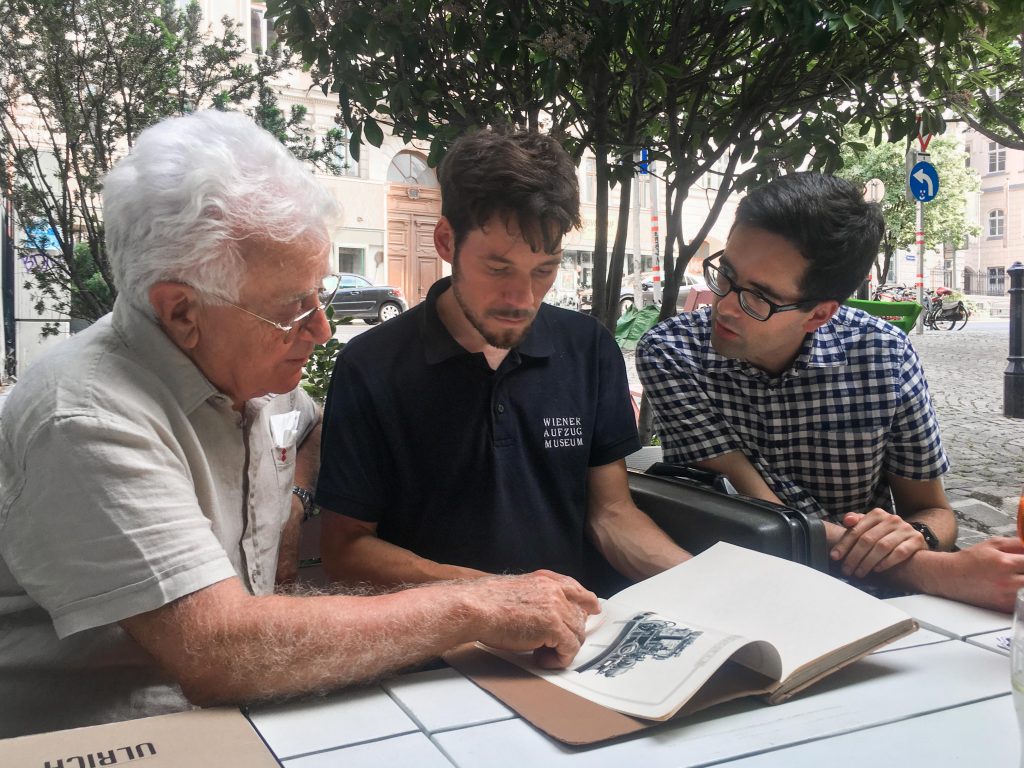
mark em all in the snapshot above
pixel 413 263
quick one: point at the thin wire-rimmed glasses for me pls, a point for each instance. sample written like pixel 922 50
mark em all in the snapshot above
pixel 324 294
pixel 751 302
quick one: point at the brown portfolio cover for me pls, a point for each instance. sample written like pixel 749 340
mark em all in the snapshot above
pixel 573 719
pixel 219 737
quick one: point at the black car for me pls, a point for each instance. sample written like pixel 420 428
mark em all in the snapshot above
pixel 358 297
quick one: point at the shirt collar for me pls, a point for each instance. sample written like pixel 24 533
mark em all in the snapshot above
pixel 821 349
pixel 143 335
pixel 439 345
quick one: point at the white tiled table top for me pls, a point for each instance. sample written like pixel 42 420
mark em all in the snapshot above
pixel 950 617
pixel 998 641
pixel 441 699
pixel 342 719
pixel 413 750
pixel 980 734
pixel 883 688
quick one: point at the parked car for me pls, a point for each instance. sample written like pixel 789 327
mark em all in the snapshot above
pixel 650 295
pixel 359 298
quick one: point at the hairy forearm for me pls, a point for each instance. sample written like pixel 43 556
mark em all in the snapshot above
pixel 254 648
pixel 224 645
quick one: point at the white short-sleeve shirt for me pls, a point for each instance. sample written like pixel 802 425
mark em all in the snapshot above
pixel 127 481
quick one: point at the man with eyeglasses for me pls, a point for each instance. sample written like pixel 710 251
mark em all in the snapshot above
pixel 805 402
pixel 148 464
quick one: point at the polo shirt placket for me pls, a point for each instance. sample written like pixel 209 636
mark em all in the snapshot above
pixel 451 458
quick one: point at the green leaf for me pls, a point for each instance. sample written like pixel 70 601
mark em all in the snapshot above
pixel 372 131
pixel 897 10
pixel 658 85
pixel 355 142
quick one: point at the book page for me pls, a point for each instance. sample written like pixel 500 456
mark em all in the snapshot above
pixel 646 664
pixel 803 613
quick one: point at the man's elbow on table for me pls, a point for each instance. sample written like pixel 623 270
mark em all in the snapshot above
pixel 197 640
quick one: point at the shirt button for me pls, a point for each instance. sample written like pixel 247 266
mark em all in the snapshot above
pixel 500 408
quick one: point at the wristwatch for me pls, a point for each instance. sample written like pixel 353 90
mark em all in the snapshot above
pixel 929 538
pixel 306 497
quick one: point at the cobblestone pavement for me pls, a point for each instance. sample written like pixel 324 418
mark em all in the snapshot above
pixel 986 450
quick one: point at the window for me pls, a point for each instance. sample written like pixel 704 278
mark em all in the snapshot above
pixel 713 178
pixel 351 260
pixel 262 35
pixel 996 281
pixel 411 168
pixel 589 180
pixel 996 158
pixel 890 276
pixel 644 185
pixel 995 223
pixel 345 164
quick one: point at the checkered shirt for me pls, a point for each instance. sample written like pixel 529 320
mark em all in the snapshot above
pixel 851 409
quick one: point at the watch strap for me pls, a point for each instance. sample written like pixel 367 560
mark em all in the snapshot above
pixel 929 536
pixel 306 497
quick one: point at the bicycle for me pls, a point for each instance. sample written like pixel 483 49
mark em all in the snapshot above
pixel 897 292
pixel 944 314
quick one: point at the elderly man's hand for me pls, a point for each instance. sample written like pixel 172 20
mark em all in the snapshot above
pixel 542 611
pixel 875 542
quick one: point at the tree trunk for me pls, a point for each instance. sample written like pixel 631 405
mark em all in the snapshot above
pixel 618 257
pixel 646 423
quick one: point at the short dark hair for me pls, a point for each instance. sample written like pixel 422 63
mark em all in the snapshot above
pixel 489 173
pixel 828 220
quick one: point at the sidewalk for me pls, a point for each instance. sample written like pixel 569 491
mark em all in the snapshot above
pixel 986 450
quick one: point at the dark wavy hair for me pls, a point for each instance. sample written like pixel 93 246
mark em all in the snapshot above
pixel 828 221
pixel 527 175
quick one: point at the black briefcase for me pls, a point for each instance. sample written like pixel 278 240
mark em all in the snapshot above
pixel 698 508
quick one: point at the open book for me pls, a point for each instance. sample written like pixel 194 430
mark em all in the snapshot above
pixel 730 622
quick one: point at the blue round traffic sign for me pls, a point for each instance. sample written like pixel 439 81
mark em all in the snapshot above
pixel 923 181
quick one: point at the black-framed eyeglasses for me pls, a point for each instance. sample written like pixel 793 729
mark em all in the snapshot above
pixel 751 302
pixel 324 294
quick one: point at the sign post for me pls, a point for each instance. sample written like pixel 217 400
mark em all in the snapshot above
pixel 655 241
pixel 638 291
pixel 922 187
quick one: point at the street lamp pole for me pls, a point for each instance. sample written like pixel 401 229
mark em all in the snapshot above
pixel 1013 378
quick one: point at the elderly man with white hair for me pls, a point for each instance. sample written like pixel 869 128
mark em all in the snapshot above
pixel 147 467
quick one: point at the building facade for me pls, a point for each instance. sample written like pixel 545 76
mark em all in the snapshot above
pixel 999 208
pixel 390 203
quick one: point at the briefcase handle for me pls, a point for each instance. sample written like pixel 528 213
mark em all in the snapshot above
pixel 695 475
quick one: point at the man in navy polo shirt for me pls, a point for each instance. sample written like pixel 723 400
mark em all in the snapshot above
pixel 484 431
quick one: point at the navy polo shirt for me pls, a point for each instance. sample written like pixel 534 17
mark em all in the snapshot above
pixel 470 466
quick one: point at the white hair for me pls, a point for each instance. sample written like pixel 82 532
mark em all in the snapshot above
pixel 192 188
